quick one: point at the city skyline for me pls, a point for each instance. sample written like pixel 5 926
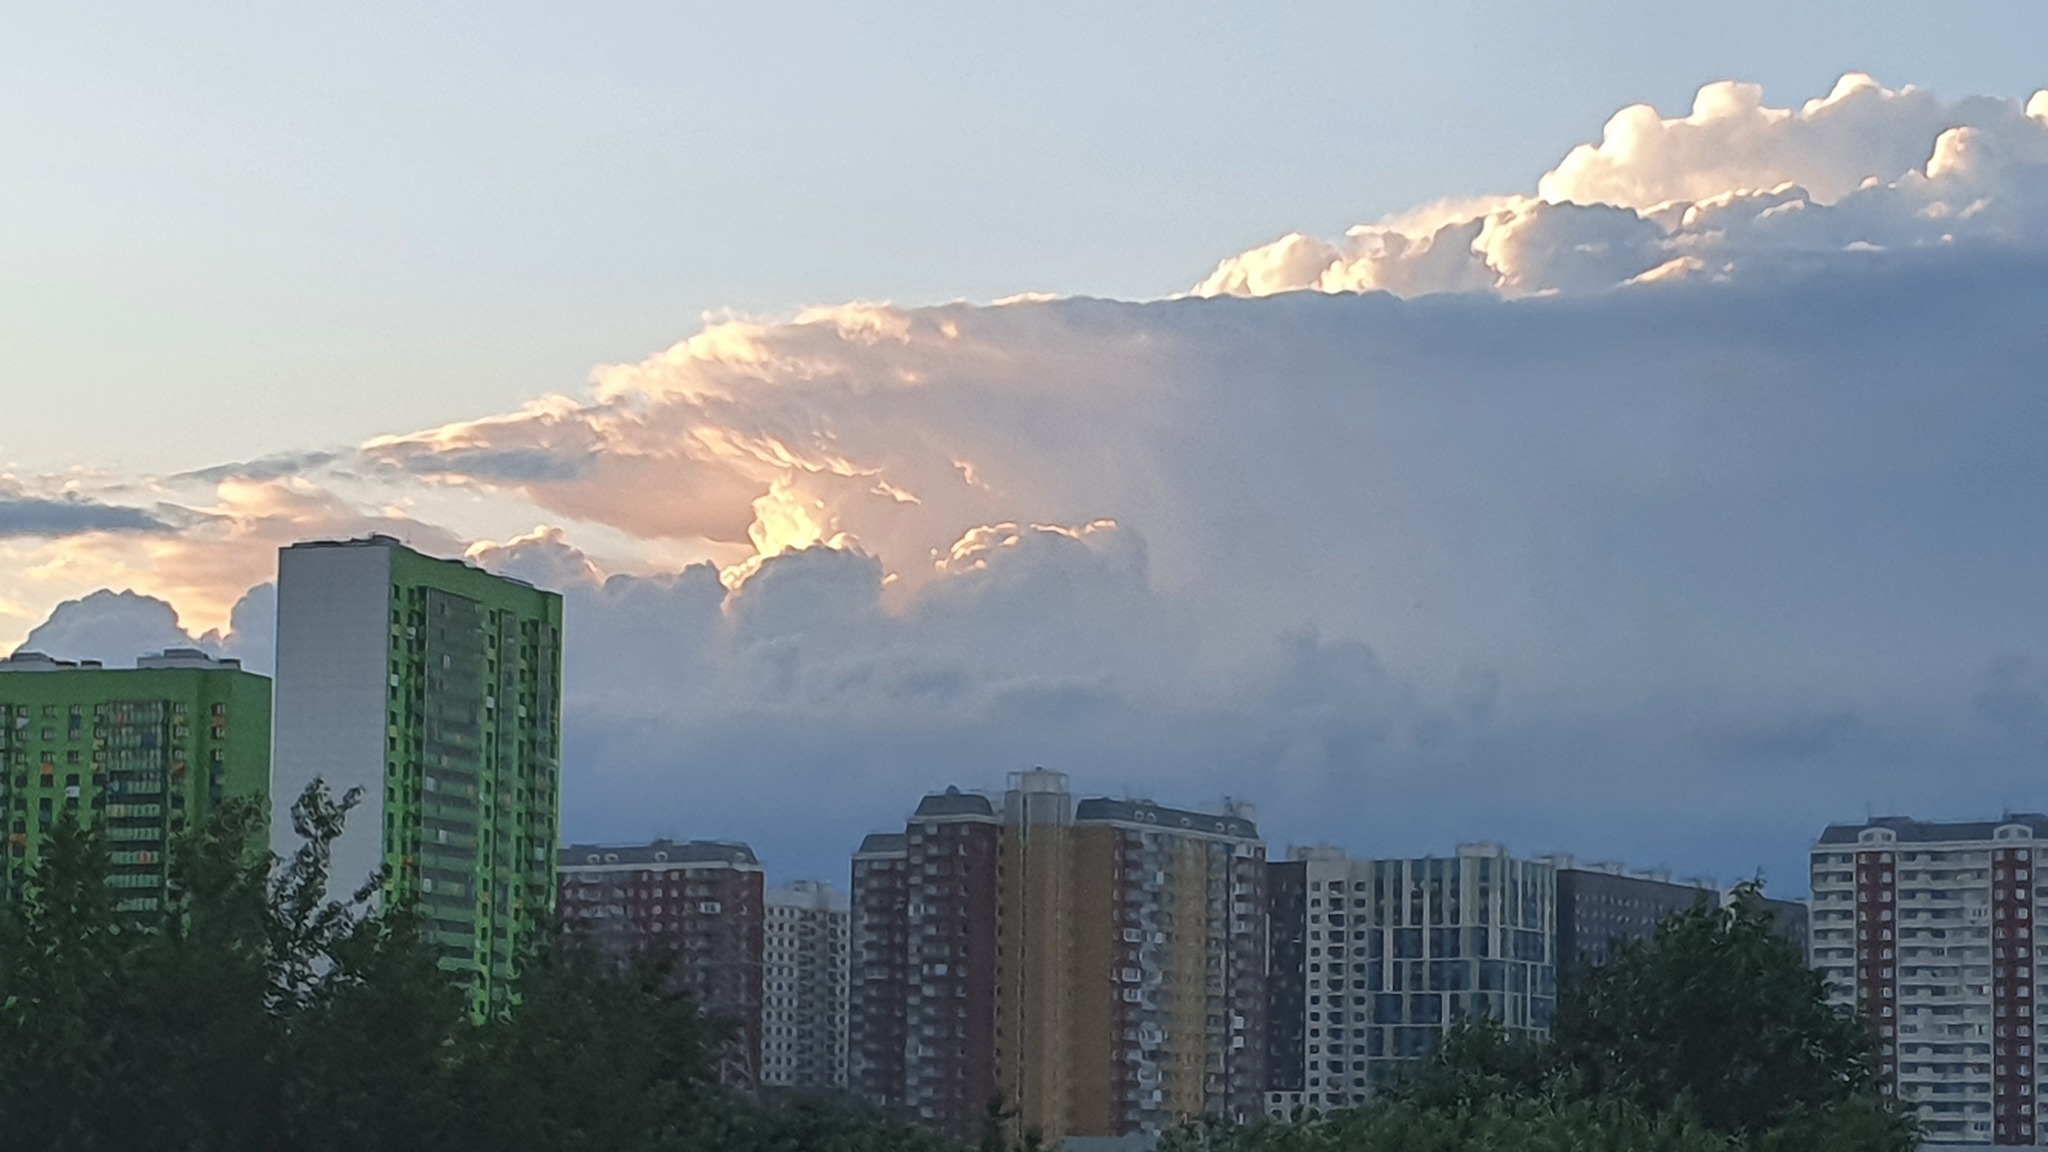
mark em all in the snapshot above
pixel 1098 577
pixel 1111 968
pixel 1668 490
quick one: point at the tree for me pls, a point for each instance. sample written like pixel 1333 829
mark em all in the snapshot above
pixel 1477 1061
pixel 1715 1037
pixel 63 1000
pixel 1510 1123
pixel 593 1057
pixel 1719 1016
pixel 260 1012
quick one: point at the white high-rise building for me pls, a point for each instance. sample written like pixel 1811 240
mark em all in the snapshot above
pixel 1928 929
pixel 1372 961
pixel 804 993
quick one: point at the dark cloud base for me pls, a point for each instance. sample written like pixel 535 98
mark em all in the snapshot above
pixel 54 519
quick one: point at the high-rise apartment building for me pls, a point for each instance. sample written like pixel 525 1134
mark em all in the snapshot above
pixel 1792 920
pixel 951 851
pixel 1096 967
pixel 702 902
pixel 1928 929
pixel 879 970
pixel 804 988
pixel 1287 949
pixel 1164 981
pixel 435 688
pixel 1373 960
pixel 1600 905
pixel 144 753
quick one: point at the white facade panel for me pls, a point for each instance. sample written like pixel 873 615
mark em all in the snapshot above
pixel 333 673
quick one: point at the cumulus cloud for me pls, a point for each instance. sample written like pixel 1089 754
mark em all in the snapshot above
pixel 111 627
pixel 1594 564
pixel 1699 503
pixel 1734 188
pixel 116 627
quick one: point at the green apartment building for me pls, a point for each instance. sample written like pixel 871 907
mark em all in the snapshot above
pixel 144 753
pixel 434 687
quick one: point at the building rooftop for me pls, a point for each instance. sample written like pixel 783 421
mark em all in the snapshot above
pixel 883 844
pixel 954 802
pixel 809 895
pixel 1566 863
pixel 380 540
pixel 1150 815
pixel 168 659
pixel 25 661
pixel 188 658
pixel 671 852
pixel 1911 831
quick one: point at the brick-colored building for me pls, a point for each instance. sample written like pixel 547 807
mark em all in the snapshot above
pixel 703 900
pixel 879 963
pixel 1928 929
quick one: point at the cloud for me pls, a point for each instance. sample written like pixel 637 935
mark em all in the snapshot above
pixel 1665 514
pixel 277 466
pixel 1572 572
pixel 2014 698
pixel 111 627
pixel 227 542
pixel 1736 188
pixel 116 627
pixel 35 516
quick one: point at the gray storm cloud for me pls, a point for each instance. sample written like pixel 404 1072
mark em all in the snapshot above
pixel 23 515
pixel 1594 574
pixel 1688 504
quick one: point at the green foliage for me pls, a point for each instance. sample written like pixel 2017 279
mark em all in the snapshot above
pixel 266 1014
pixel 1476 1062
pixel 1507 1123
pixel 808 1124
pixel 592 1058
pixel 1723 1015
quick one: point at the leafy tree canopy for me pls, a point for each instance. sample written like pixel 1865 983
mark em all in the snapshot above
pixel 1714 1036
pixel 265 1013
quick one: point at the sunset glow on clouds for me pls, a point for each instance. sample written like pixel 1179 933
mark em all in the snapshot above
pixel 1624 520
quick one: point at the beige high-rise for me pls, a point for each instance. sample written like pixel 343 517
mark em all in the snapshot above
pixel 1105 962
pixel 1131 978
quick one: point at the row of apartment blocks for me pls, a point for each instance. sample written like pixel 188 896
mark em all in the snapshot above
pixel 1107 967
pixel 1110 967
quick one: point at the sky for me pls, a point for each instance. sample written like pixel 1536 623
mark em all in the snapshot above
pixel 237 226
pixel 1366 410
